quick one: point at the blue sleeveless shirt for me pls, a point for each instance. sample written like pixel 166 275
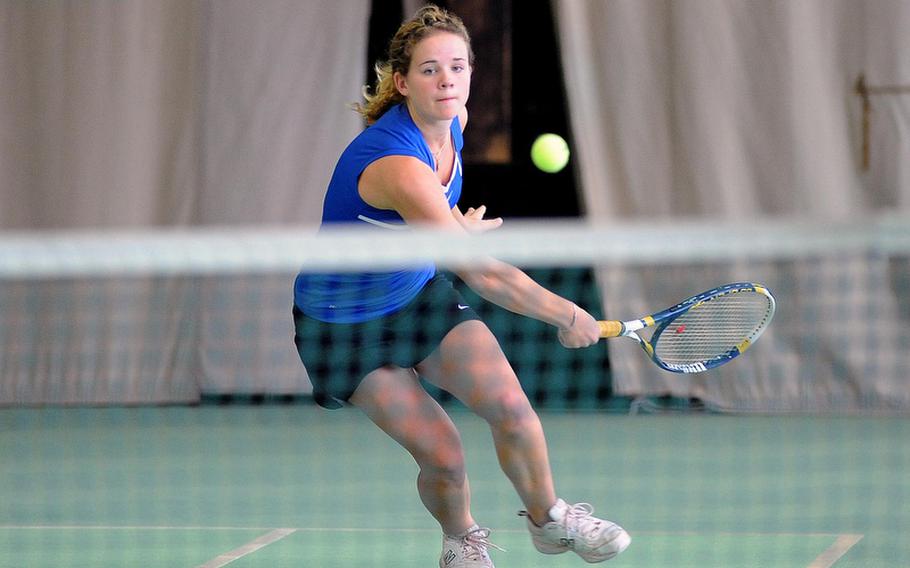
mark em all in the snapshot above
pixel 357 297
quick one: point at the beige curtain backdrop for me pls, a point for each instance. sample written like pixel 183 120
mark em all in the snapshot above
pixel 157 112
pixel 160 113
pixel 738 109
pixel 99 113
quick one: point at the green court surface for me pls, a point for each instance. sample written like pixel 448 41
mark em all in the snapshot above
pixel 293 485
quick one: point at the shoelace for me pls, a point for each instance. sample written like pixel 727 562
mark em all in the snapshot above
pixel 579 520
pixel 475 543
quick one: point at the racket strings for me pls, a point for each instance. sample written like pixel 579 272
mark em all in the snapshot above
pixel 713 328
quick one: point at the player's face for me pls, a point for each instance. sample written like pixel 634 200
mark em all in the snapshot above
pixel 439 80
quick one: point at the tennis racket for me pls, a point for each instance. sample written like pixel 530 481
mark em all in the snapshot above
pixel 704 331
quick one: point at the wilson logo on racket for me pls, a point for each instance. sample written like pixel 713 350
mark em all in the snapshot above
pixel 704 331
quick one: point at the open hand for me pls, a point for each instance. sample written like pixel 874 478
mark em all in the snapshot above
pixel 475 223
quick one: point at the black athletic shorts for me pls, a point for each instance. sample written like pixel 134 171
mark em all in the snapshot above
pixel 338 355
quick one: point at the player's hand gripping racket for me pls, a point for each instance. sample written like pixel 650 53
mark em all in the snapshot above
pixel 704 331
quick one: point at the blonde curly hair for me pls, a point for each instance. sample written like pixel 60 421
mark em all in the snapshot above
pixel 426 21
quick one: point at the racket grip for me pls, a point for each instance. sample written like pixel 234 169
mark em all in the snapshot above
pixel 610 328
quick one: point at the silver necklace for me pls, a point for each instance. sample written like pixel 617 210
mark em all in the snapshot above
pixel 438 152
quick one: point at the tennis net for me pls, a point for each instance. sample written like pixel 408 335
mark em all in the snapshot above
pixel 176 316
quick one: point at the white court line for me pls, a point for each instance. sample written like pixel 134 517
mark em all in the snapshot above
pixel 834 552
pixel 220 528
pixel 842 544
pixel 248 548
pixel 384 529
pixel 129 528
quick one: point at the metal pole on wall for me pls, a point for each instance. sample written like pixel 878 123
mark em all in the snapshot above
pixel 866 92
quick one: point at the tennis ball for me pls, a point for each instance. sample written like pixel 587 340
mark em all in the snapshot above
pixel 550 153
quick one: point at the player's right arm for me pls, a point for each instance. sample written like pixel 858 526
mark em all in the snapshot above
pixel 408 186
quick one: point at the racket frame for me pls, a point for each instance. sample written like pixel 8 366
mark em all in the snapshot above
pixel 664 318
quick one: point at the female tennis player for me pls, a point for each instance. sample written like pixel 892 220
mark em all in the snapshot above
pixel 405 168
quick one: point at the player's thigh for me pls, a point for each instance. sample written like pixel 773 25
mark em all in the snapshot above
pixel 470 364
pixel 394 399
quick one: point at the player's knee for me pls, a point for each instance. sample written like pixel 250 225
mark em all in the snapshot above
pixel 444 456
pixel 511 412
pixel 445 466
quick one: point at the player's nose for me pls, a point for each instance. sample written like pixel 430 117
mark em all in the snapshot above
pixel 446 80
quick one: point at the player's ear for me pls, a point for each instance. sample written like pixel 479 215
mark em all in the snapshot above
pixel 401 83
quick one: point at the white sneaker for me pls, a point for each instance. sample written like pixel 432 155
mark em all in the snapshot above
pixel 573 528
pixel 467 550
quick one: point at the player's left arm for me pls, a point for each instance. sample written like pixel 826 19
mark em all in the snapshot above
pixel 509 287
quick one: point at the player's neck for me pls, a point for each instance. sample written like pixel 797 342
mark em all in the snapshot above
pixel 436 133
